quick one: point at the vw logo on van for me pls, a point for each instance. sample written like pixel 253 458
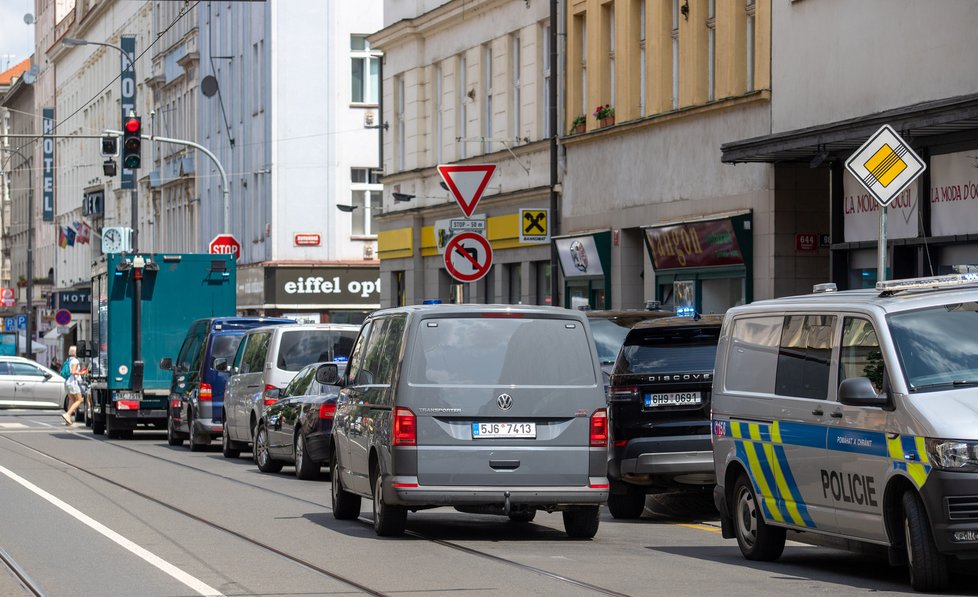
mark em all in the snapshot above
pixel 504 401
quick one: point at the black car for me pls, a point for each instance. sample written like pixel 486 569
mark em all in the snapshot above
pixel 296 428
pixel 659 411
pixel 610 327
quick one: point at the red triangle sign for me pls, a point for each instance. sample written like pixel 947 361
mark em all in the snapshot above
pixel 467 183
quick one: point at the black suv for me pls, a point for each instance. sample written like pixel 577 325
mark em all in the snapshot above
pixel 659 410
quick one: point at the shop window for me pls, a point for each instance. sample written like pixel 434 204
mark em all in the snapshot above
pixel 542 274
pixel 399 298
pixel 514 276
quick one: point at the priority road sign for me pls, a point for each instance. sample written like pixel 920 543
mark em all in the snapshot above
pixel 468 257
pixel 885 165
pixel 533 226
pixel 467 183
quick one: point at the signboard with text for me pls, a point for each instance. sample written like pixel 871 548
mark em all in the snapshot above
pixel 694 244
pixel 128 95
pixel 47 169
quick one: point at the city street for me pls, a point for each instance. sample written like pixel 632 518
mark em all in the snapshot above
pixel 83 515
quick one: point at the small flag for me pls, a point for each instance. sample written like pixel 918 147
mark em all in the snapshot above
pixel 70 236
pixel 62 238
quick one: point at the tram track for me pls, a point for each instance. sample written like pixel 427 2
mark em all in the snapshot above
pixel 29 584
pixel 295 559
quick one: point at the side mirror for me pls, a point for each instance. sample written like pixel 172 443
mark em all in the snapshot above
pixel 859 391
pixel 220 364
pixel 166 364
pixel 48 375
pixel 328 374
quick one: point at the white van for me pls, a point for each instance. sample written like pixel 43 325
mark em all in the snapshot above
pixel 854 415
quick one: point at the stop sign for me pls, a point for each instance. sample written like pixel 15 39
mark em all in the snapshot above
pixel 225 244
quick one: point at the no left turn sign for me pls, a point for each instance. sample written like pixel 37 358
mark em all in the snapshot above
pixel 468 257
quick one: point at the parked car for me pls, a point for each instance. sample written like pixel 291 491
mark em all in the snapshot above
pixel 659 411
pixel 200 375
pixel 266 361
pixel 610 327
pixel 27 384
pixel 492 409
pixel 296 428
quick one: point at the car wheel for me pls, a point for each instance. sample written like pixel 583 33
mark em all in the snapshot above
pixel 305 468
pixel 171 434
pixel 928 567
pixel 346 505
pixel 389 521
pixel 228 447
pixel 582 523
pixel 262 458
pixel 628 505
pixel 197 443
pixel 757 540
pixel 523 516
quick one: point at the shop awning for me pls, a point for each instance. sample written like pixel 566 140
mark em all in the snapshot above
pixel 838 140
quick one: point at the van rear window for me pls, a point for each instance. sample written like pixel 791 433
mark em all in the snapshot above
pixel 494 351
pixel 299 348
pixel 668 351
pixel 225 345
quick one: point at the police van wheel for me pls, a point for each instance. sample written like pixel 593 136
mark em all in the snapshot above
pixel 757 540
pixel 928 567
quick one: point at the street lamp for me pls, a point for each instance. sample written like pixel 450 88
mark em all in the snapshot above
pixel 28 339
pixel 72 42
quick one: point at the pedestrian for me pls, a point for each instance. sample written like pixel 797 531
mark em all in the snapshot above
pixel 73 386
pixel 55 364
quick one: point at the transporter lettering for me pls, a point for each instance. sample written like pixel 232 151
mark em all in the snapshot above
pixel 849 488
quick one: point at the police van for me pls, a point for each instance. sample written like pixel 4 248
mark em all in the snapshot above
pixel 853 414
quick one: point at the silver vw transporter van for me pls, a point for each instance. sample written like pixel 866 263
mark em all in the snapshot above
pixel 493 409
pixel 853 415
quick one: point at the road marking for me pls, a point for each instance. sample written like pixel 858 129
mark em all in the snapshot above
pixel 195 584
pixel 698 527
pixel 12 426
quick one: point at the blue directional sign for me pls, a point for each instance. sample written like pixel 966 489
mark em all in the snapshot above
pixel 21 322
pixel 9 324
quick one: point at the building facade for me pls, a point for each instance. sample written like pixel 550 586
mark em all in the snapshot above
pixel 464 83
pixel 289 91
pixel 822 113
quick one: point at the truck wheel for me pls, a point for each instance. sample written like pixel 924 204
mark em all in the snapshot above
pixel 346 505
pixel 305 467
pixel 582 522
pixel 628 505
pixel 262 458
pixel 757 540
pixel 389 521
pixel 98 427
pixel 228 447
pixel 171 434
pixel 928 567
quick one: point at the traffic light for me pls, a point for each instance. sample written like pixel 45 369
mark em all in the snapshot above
pixel 132 141
pixel 110 146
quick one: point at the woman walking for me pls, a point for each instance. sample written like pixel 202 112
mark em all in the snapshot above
pixel 73 386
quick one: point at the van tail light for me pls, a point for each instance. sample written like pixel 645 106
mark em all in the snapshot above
pixel 327 411
pixel 405 427
pixel 599 428
pixel 622 393
pixel 268 400
pixel 206 393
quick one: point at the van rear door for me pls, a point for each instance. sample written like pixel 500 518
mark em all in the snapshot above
pixel 501 399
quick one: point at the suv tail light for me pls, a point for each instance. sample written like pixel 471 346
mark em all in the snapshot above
pixel 405 427
pixel 599 428
pixel 206 393
pixel 622 393
pixel 327 411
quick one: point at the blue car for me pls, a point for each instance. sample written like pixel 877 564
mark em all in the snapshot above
pixel 296 428
pixel 200 375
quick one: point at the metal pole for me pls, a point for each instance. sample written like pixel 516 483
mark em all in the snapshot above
pixel 554 203
pixel 881 248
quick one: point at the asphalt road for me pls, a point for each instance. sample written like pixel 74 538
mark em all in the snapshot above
pixel 82 515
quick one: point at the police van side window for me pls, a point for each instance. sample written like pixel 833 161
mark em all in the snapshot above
pixel 860 354
pixel 805 355
pixel 753 354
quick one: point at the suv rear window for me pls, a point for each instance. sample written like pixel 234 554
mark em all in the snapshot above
pixel 298 348
pixel 501 351
pixel 669 350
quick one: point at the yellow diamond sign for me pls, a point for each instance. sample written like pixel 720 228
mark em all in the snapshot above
pixel 885 165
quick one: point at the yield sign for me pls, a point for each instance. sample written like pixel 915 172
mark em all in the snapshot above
pixel 468 256
pixel 467 183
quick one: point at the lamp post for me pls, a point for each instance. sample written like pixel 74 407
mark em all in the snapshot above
pixel 28 339
pixel 72 42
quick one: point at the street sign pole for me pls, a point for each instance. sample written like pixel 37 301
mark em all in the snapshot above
pixel 881 248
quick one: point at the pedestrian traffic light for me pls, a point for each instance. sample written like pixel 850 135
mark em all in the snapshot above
pixel 132 141
pixel 110 146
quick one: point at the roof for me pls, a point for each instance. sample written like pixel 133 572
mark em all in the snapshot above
pixel 711 320
pixel 470 309
pixel 7 77
pixel 868 299
pixel 838 140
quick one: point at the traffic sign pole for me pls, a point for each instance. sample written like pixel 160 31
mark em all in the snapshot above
pixel 881 248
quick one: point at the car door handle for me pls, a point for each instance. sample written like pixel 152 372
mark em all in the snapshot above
pixel 818 412
pixel 837 414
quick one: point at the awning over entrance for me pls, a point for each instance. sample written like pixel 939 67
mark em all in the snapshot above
pixel 916 123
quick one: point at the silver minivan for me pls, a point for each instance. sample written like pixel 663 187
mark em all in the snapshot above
pixel 493 409
pixel 267 359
